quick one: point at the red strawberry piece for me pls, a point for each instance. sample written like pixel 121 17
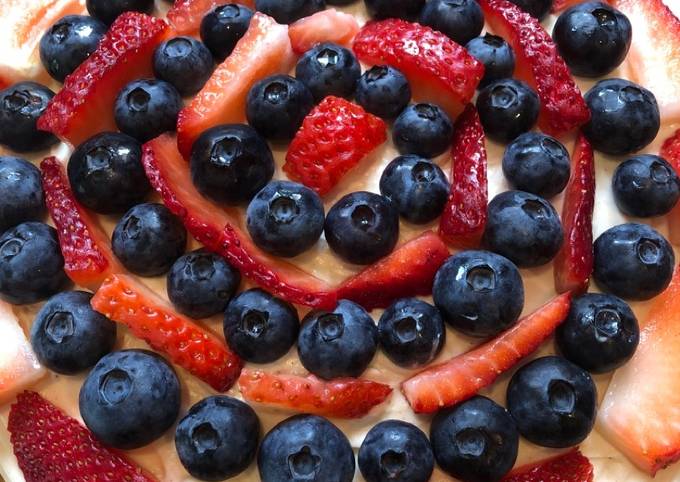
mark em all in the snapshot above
pixel 671 152
pixel 325 26
pixel 84 106
pixel 572 466
pixel 186 15
pixel 559 5
pixel 439 70
pixel 335 136
pixel 463 376
pixel 538 63
pixel 50 446
pixel 341 398
pixel 150 318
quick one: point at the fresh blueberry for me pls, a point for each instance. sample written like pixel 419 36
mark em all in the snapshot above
pixel 406 9
pixel 496 55
pixel 475 441
pixel 633 261
pixel 106 173
pixel 288 11
pixel 217 438
pixel 184 62
pixel 285 218
pixel 383 91
pixel 600 333
pixel 231 163
pixel 536 8
pixel 108 10
pixel 538 164
pixel 148 239
pixel 328 69
pixel 553 402
pixel 624 117
pixel 20 107
pixel 306 447
pixel 259 327
pixel 223 27
pixel 645 186
pixel 130 398
pixel 22 194
pixel 422 129
pixel 507 108
pixel 201 284
pixel 339 343
pixel 461 20
pixel 68 336
pixel 362 227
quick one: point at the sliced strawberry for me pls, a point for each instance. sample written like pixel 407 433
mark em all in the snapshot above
pixel 464 375
pixel 186 15
pixel 572 466
pixel 341 398
pixel 408 271
pixel 50 446
pixel 559 5
pixel 538 63
pixel 439 70
pixel 464 217
pixel 353 133
pixel 125 300
pixel 325 26
pixel 671 152
pixel 220 230
pixel 263 51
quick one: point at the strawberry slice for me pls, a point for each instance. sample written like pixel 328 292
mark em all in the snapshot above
pixel 559 5
pixel 320 164
pixel 572 466
pixel 50 446
pixel 264 50
pixel 125 300
pixel 220 229
pixel 439 70
pixel 670 150
pixel 325 26
pixel 186 15
pixel 463 376
pixel 341 398
pixel 574 263
pixel 464 217
pixel 408 271
pixel 538 63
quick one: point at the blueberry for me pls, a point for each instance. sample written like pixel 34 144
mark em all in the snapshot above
pixel 538 164
pixel 31 264
pixel 68 336
pixel 645 186
pixel 259 327
pixel 106 173
pixel 461 20
pixel 288 11
pixel 339 343
pixel 108 10
pixel 148 239
pixel 21 105
pixel 328 69
pixel 217 438
pixel 305 447
pixel 536 8
pixel 592 38
pixel 130 398
pixel 383 91
pixel 223 27
pixel 184 62
pixel 230 163
pixel 406 9
pixel 600 333
pixel 422 129
pixel 475 441
pixel 396 451
pixel 633 261
pixel 362 227
pixel 496 55
pixel 22 194
pixel 200 284
pixel 285 218
pixel 553 402
pixel 624 117
pixel 507 108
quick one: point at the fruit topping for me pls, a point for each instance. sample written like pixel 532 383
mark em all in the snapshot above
pixel 21 106
pixel 383 91
pixel 496 55
pixel 461 21
pixel 326 26
pixel 536 8
pixel 223 27
pixel 22 189
pixel 569 467
pixel 290 10
pixel 184 62
pixel 507 108
pixel 328 69
pixel 186 15
pixel 109 10
pixel 406 9
pixel 422 129
pixel 670 150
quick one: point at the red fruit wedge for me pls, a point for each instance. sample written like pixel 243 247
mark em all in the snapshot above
pixel 125 300
pixel 186 15
pixel 559 5
pixel 572 466
pixel 340 398
pixel 671 152
pixel 325 26
pixel 464 375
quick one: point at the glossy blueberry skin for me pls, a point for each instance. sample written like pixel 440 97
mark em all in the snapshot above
pixel 328 69
pixel 148 239
pixel 538 164
pixel 21 105
pixel 396 451
pixel 624 117
pixel 68 336
pixel 259 327
pixel 230 163
pixel 31 264
pixel 496 55
pixel 645 186
pixel 362 227
pixel 600 333
pixel 22 195
pixel 130 398
pixel 507 108
pixel 106 173
pixel 223 27
pixel 592 38
pixel 462 20
pixel 536 8
pixel 475 441
pixel 383 91
pixel 285 218
pixel 217 439
pixel 288 11
pixel 201 284
pixel 184 62
pixel 553 402
pixel 108 10
pixel 406 9
pixel 633 261
pixel 524 228
pixel 422 129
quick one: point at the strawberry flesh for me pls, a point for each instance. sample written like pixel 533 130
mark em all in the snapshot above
pixel 572 466
pixel 559 5
pixel 186 15
pixel 670 150
pixel 326 26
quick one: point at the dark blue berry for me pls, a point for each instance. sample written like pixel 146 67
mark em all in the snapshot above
pixel 461 20
pixel 22 195
pixel 496 55
pixel 328 69
pixel 20 107
pixel 406 9
pixel 223 27
pixel 108 10
pixel 288 11
pixel 507 108
pixel 184 62
pixel 422 129
pixel 383 91
pixel 536 8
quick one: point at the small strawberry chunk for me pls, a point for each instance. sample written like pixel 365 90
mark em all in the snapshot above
pixel 559 5
pixel 325 26
pixel 186 15
pixel 671 152
pixel 572 466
